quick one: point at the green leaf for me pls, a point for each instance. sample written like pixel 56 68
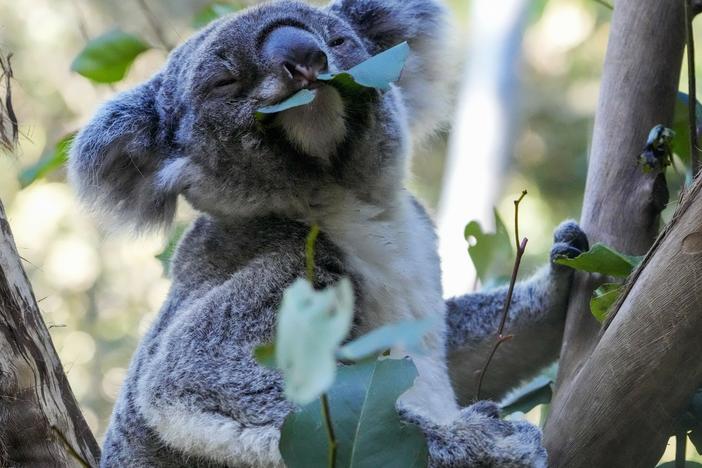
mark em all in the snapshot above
pixel 490 253
pixel 376 72
pixel 681 126
pixel 311 325
pixel 407 334
pixel 265 355
pixel 603 298
pixel 49 162
pixel 107 58
pixel 212 12
pixel 537 392
pixel 301 98
pixel 167 254
pixel 602 259
pixel 368 430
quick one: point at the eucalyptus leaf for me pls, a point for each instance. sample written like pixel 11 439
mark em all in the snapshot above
pixel 602 259
pixel 213 11
pixel 491 253
pixel 376 72
pixel 368 430
pixel 167 253
pixel 537 392
pixel 301 98
pixel 106 58
pixel 48 163
pixel 311 326
pixel 407 335
pixel 603 298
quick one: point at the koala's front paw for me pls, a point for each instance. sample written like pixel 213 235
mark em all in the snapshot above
pixel 477 437
pixel 568 241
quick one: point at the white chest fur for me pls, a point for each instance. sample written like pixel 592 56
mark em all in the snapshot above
pixel 393 252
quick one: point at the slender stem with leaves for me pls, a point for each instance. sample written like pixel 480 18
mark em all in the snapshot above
pixel 501 337
pixel 324 400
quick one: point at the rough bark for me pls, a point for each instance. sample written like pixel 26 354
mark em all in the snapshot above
pixel 622 204
pixel 40 422
pixel 621 407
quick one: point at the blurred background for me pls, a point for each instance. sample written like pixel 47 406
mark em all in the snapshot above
pixel 527 77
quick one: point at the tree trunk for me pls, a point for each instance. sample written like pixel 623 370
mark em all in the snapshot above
pixel 40 422
pixel 622 204
pixel 621 407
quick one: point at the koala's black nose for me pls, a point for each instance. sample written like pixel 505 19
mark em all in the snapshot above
pixel 297 52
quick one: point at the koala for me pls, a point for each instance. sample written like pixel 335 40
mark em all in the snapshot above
pixel 194 396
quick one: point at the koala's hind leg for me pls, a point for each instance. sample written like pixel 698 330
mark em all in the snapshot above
pixel 536 320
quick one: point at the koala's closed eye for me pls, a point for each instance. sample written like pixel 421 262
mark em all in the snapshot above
pixel 336 42
pixel 228 85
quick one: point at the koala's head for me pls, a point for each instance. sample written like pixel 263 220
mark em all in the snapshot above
pixel 192 128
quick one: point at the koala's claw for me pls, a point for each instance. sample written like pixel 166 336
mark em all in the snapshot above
pixel 569 241
pixel 477 437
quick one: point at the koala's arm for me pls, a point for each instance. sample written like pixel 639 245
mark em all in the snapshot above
pixel 536 319
pixel 202 392
pixel 424 24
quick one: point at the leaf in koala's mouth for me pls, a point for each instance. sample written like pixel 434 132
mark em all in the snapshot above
pixel 376 72
pixel 301 98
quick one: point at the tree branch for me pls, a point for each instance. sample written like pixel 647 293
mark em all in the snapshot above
pixel 622 204
pixel 37 402
pixel 622 405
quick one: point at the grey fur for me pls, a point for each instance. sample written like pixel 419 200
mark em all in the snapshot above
pixel 193 395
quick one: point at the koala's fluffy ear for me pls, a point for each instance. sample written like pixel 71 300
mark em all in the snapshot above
pixel 426 79
pixel 121 166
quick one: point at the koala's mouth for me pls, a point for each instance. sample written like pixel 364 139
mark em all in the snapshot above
pixel 318 127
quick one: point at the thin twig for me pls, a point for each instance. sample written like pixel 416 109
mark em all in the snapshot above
pixel 691 90
pixel 501 337
pixel 326 415
pixel 155 25
pixel 516 217
pixel 82 26
pixel 69 447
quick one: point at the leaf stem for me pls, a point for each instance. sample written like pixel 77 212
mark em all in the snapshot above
pixel 326 415
pixel 309 251
pixel 691 90
pixel 501 337
pixel 516 217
